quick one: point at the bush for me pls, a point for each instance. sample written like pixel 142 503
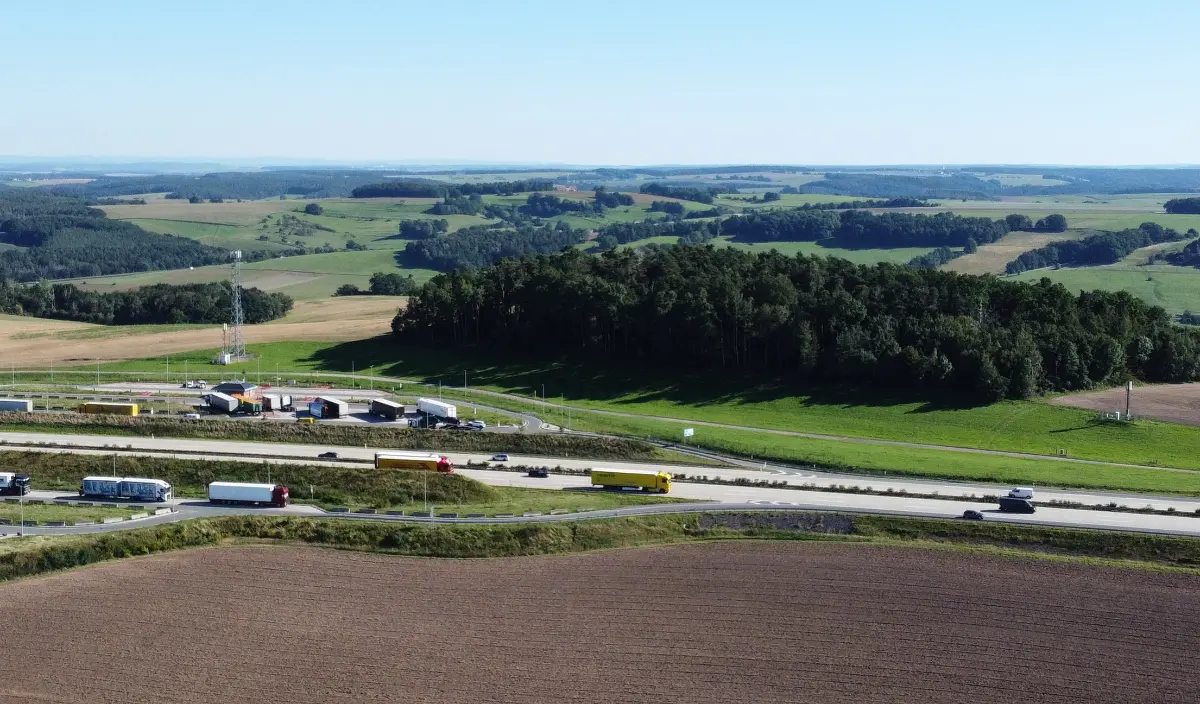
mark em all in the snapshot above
pixel 314 209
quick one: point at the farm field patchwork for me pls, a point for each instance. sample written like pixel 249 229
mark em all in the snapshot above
pixel 918 623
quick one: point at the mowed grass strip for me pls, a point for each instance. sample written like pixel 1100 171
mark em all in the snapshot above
pixel 42 513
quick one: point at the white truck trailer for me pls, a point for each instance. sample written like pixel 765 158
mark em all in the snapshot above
pixel 277 402
pixel 436 408
pixel 244 493
pixel 16 404
pixel 221 403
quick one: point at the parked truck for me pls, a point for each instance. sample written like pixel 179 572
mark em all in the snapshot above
pixel 385 409
pixel 276 402
pixel 16 404
pixel 644 479
pixel 432 407
pixel 250 407
pixel 12 484
pixel 1011 504
pixel 137 488
pixel 328 408
pixel 427 461
pixel 120 409
pixel 221 403
pixel 248 494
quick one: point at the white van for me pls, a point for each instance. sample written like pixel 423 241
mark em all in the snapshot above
pixel 1020 493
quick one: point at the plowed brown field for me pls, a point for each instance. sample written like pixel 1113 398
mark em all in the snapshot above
pixel 737 622
pixel 1174 403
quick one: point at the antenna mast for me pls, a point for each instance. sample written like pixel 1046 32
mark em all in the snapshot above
pixel 233 343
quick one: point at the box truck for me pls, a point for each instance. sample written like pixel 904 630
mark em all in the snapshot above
pixel 385 409
pixel 120 409
pixel 221 403
pixel 248 494
pixel 432 407
pixel 277 402
pixel 12 484
pixel 125 488
pixel 16 404
pixel 644 479
pixel 429 462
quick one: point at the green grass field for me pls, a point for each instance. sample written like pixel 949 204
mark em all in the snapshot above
pixel 516 500
pixel 859 256
pixel 1175 288
pixel 41 513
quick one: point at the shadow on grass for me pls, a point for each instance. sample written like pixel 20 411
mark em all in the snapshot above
pixel 612 384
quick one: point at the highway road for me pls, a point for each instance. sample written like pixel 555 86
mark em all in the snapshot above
pixel 722 496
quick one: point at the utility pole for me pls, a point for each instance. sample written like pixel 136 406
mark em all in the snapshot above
pixel 1128 397
pixel 168 369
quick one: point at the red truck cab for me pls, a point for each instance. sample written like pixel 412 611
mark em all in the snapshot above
pixel 279 497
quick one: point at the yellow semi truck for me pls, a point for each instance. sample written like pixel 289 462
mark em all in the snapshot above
pixel 120 409
pixel 644 479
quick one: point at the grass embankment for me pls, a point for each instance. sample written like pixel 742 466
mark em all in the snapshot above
pixel 11 511
pixel 518 500
pixel 25 557
pixel 544 444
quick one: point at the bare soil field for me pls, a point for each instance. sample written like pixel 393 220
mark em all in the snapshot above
pixel 1174 403
pixel 33 342
pixel 720 622
pixel 991 258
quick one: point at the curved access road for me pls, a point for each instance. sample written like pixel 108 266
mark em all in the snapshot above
pixel 722 497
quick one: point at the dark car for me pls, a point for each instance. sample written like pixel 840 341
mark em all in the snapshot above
pixel 328 456
pixel 539 472
pixel 973 515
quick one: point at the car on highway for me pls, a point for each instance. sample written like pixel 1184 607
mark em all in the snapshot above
pixel 539 472
pixel 501 457
pixel 972 515
pixel 476 425
pixel 193 416
pixel 327 456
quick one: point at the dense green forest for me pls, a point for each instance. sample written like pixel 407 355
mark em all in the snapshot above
pixel 408 188
pixel 808 319
pixel 157 304
pixel 966 185
pixel 862 229
pixel 458 205
pixel 1093 250
pixel 609 236
pixel 699 195
pixel 422 229
pixel 1189 206
pixel 484 244
pixel 60 237
pixel 864 204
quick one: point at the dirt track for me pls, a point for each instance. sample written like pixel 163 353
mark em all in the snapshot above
pixel 1174 403
pixel 746 622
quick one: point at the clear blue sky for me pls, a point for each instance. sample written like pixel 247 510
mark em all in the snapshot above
pixel 614 82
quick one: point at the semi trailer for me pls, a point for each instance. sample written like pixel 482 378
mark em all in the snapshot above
pixel 12 484
pixel 432 407
pixel 426 461
pixel 137 488
pixel 248 494
pixel 277 402
pixel 221 403
pixel 16 404
pixel 385 409
pixel 644 479
pixel 120 409
pixel 328 408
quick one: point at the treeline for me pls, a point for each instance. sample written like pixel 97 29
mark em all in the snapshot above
pixel 62 238
pixel 539 205
pixel 308 183
pixel 862 229
pixel 409 188
pixel 422 229
pixel 609 236
pixel 699 195
pixel 157 304
pixel 1189 206
pixel 458 205
pixel 864 204
pixel 481 245
pixel 382 284
pixel 938 257
pixel 1094 250
pixel 1188 256
pixel 808 319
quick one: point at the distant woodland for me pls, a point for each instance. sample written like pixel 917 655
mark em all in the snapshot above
pixel 1094 250
pixel 157 304
pixel 804 319
pixel 1189 206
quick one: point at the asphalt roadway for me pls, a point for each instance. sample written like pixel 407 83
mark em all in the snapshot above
pixel 717 497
